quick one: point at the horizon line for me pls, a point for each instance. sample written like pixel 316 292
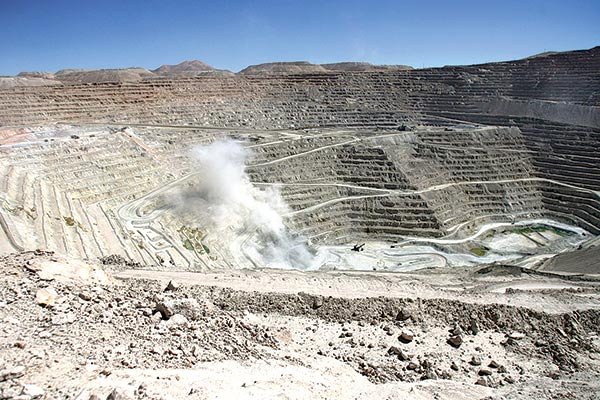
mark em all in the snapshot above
pixel 79 69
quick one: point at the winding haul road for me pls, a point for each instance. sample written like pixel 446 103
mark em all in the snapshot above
pixel 391 193
pixel 131 214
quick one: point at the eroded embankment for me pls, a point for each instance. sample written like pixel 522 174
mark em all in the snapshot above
pixel 558 336
pixel 61 333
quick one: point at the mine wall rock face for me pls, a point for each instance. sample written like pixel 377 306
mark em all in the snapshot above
pixel 567 113
pixel 381 153
pixel 306 99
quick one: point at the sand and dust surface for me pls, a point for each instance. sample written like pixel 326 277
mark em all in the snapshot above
pixel 70 329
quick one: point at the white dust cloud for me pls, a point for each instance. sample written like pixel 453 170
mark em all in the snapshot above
pixel 223 201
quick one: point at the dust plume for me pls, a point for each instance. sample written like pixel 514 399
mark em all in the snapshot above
pixel 244 218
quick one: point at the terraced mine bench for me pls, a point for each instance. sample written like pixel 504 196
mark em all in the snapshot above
pixel 431 153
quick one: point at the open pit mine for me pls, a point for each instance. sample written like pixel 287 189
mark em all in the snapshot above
pixel 298 230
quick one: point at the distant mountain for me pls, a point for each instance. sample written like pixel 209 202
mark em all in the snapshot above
pixel 304 67
pixel 184 69
pixel 189 68
pixel 36 74
pixel 289 67
pixel 103 75
pixel 17 81
pixel 363 67
pixel 133 74
pixel 544 54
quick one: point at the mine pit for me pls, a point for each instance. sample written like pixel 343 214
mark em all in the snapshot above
pixel 303 230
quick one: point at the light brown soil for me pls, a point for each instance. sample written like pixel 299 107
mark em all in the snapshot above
pixel 276 334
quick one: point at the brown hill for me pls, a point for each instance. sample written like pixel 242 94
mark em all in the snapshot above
pixel 19 81
pixel 189 68
pixel 362 67
pixel 289 67
pixel 305 67
pixel 103 75
pixel 36 74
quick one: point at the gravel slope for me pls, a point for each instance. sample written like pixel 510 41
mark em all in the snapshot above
pixel 71 330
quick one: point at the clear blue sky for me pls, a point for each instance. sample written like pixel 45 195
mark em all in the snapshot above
pixel 47 35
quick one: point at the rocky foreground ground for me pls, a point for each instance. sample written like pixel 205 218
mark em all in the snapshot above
pixel 70 330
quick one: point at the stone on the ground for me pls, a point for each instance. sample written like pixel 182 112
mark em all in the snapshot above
pixel 474 326
pixel 456 330
pixel 176 321
pixel 63 318
pixel 403 314
pixel 171 287
pixel 46 297
pixel 516 335
pixel 406 336
pixel 475 361
pixel 20 344
pixel 86 296
pixel 11 373
pixel 455 341
pixel 481 381
pixel 117 394
pixel 33 391
pixel 156 317
pixel 398 353
pixel 317 302
pixel 190 308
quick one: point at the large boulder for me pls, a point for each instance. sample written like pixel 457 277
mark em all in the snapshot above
pixel 69 271
pixel 46 297
pixel 192 309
